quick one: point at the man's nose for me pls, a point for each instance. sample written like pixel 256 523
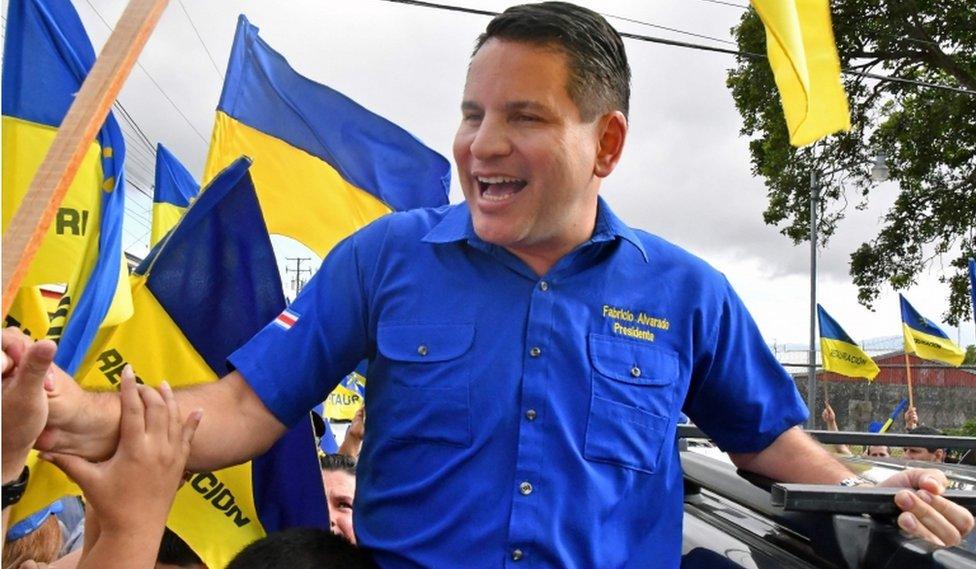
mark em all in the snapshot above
pixel 491 140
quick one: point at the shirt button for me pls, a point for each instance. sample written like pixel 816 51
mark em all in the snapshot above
pixel 544 286
pixel 530 414
pixel 516 554
pixel 635 371
pixel 422 349
pixel 535 351
pixel 525 488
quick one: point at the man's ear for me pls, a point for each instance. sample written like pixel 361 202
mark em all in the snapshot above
pixel 613 132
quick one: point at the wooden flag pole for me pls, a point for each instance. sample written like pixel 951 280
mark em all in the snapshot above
pixel 84 119
pixel 908 373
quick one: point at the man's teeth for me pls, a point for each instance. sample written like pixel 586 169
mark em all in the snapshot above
pixel 498 180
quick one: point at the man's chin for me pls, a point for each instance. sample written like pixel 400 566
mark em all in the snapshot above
pixel 493 231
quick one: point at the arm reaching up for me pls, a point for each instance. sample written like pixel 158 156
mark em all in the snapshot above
pixel 154 443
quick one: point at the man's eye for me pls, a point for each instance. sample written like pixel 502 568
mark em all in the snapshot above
pixel 527 118
pixel 345 506
pixel 471 117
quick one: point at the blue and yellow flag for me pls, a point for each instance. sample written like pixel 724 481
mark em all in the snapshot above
pixel 803 56
pixel 841 354
pixel 47 55
pixel 925 339
pixel 323 165
pixel 192 309
pixel 175 188
pixel 347 397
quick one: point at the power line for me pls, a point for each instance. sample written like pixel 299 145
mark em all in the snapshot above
pixel 700 47
pixel 123 112
pixel 675 30
pixel 151 79
pixel 197 32
pixel 732 4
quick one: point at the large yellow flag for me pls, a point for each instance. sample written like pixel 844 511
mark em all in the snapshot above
pixel 803 56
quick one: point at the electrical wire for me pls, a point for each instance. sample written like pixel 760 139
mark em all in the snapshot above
pixel 700 47
pixel 675 30
pixel 153 81
pixel 732 4
pixel 197 32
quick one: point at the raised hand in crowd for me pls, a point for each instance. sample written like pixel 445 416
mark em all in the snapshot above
pixel 911 418
pixel 26 367
pixel 353 441
pixel 830 420
pixel 149 462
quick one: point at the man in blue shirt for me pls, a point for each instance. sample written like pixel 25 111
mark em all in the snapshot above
pixel 530 355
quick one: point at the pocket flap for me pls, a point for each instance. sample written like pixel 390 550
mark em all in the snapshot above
pixel 424 342
pixel 632 362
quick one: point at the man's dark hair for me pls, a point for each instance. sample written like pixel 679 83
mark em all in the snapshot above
pixel 599 76
pixel 924 430
pixel 335 462
pixel 302 548
pixel 175 551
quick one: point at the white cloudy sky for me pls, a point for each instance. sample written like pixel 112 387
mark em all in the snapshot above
pixel 685 174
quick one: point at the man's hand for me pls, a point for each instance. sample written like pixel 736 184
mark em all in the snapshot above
pixel 925 513
pixel 79 422
pixel 911 418
pixel 153 447
pixel 26 375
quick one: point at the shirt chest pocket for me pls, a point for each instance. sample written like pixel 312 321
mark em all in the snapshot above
pixel 429 370
pixel 630 418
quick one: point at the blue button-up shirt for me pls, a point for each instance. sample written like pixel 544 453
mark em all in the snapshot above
pixel 518 420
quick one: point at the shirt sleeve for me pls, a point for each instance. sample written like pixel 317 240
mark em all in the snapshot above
pixel 740 395
pixel 296 360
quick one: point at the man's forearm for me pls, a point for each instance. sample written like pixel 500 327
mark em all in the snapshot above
pixel 236 426
pixel 794 457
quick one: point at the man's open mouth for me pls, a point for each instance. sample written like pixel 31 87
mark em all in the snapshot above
pixel 499 188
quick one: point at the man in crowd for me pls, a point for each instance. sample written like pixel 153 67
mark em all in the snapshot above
pixel 529 353
pixel 339 477
pixel 934 454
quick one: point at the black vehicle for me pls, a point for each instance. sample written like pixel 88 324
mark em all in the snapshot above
pixel 735 519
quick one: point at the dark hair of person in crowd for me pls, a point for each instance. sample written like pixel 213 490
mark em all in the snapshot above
pixel 302 548
pixel 41 545
pixel 924 430
pixel 599 76
pixel 174 551
pixel 336 462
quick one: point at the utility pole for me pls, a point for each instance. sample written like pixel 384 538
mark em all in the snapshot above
pixel 298 282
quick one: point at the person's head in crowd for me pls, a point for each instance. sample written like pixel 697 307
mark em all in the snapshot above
pixel 174 553
pixel 302 548
pixel 36 538
pixel 339 477
pixel 878 451
pixel 931 454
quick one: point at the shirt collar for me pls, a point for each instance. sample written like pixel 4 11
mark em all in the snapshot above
pixel 456 226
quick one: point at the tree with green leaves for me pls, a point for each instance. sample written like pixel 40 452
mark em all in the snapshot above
pixel 927 134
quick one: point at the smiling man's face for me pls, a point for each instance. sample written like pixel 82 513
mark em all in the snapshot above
pixel 525 157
